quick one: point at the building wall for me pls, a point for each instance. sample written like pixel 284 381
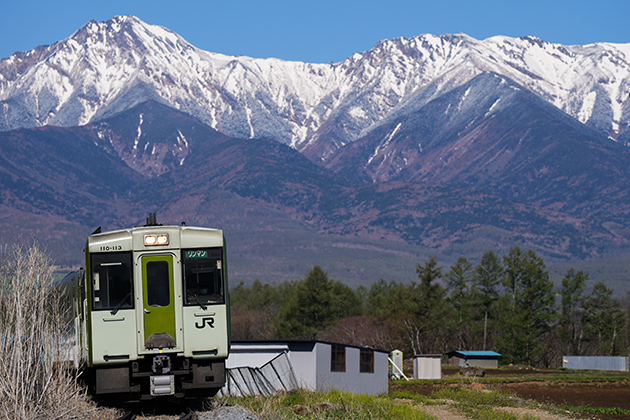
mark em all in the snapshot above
pixel 332 380
pixel 482 363
pixel 311 362
pixel 473 362
pixel 612 363
pixel 427 366
pixel 352 380
pixel 304 361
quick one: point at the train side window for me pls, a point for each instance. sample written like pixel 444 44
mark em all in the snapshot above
pixel 203 276
pixel 111 281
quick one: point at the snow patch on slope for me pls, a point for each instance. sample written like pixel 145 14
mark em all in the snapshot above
pixel 106 67
pixel 384 145
pixel 138 134
pixel 587 107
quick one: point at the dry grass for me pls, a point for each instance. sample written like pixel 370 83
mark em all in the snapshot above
pixel 34 340
pixel 333 404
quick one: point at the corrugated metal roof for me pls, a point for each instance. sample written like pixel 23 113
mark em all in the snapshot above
pixel 301 341
pixel 478 353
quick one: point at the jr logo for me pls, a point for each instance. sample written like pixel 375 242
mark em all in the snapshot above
pixel 205 321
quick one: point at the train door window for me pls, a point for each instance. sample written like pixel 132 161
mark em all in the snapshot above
pixel 112 286
pixel 203 276
pixel 158 290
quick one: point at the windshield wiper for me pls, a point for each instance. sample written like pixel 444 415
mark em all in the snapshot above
pixel 120 304
pixel 196 298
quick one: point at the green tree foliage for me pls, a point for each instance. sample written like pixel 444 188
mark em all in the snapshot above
pixel 461 301
pixel 506 304
pixel 386 299
pixel 605 319
pixel 527 308
pixel 427 296
pixel 427 309
pixel 315 303
pixel 486 279
pixel 572 320
pixel 258 296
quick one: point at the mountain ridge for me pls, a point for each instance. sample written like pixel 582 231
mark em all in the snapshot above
pixel 268 176
pixel 424 145
pixel 106 67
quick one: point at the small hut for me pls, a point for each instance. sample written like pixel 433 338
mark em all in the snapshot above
pixel 316 366
pixel 482 359
pixel 427 366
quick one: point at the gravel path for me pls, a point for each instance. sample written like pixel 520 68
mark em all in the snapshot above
pixel 226 413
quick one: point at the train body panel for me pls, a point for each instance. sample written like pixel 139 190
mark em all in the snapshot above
pixel 152 312
pixel 115 341
pixel 213 325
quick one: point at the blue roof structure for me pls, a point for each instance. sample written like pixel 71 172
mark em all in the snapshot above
pixel 478 353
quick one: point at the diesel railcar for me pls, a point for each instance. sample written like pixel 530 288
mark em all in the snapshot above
pixel 151 312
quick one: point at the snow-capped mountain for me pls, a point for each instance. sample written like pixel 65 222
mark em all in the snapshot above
pixel 430 144
pixel 107 67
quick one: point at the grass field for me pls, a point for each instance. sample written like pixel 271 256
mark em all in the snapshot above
pixel 506 393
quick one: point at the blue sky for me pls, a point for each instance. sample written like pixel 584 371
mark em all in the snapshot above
pixel 319 31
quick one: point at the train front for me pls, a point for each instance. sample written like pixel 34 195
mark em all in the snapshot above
pixel 157 313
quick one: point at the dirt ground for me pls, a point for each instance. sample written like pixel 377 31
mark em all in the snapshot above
pixel 575 394
pixel 605 394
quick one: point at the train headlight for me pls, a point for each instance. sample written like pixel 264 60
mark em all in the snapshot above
pixel 153 240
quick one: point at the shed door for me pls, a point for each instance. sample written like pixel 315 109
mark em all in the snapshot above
pixel 158 301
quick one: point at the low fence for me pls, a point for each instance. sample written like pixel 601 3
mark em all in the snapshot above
pixel 613 363
pixel 273 376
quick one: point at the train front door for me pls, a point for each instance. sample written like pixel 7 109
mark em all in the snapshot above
pixel 158 301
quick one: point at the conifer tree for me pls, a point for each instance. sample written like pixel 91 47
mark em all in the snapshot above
pixel 425 326
pixel 573 317
pixel 486 279
pixel 458 278
pixel 315 302
pixel 605 320
pixel 527 308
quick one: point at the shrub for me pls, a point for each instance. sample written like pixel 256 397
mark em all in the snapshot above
pixel 34 339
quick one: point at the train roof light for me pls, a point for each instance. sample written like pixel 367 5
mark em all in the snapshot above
pixel 156 240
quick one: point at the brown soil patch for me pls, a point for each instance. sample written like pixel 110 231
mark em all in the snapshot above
pixel 594 394
pixel 574 393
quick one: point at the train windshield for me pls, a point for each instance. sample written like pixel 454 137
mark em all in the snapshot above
pixel 111 281
pixel 203 276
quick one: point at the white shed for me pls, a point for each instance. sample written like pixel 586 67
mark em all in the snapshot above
pixel 318 365
pixel 427 366
pixel 482 359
